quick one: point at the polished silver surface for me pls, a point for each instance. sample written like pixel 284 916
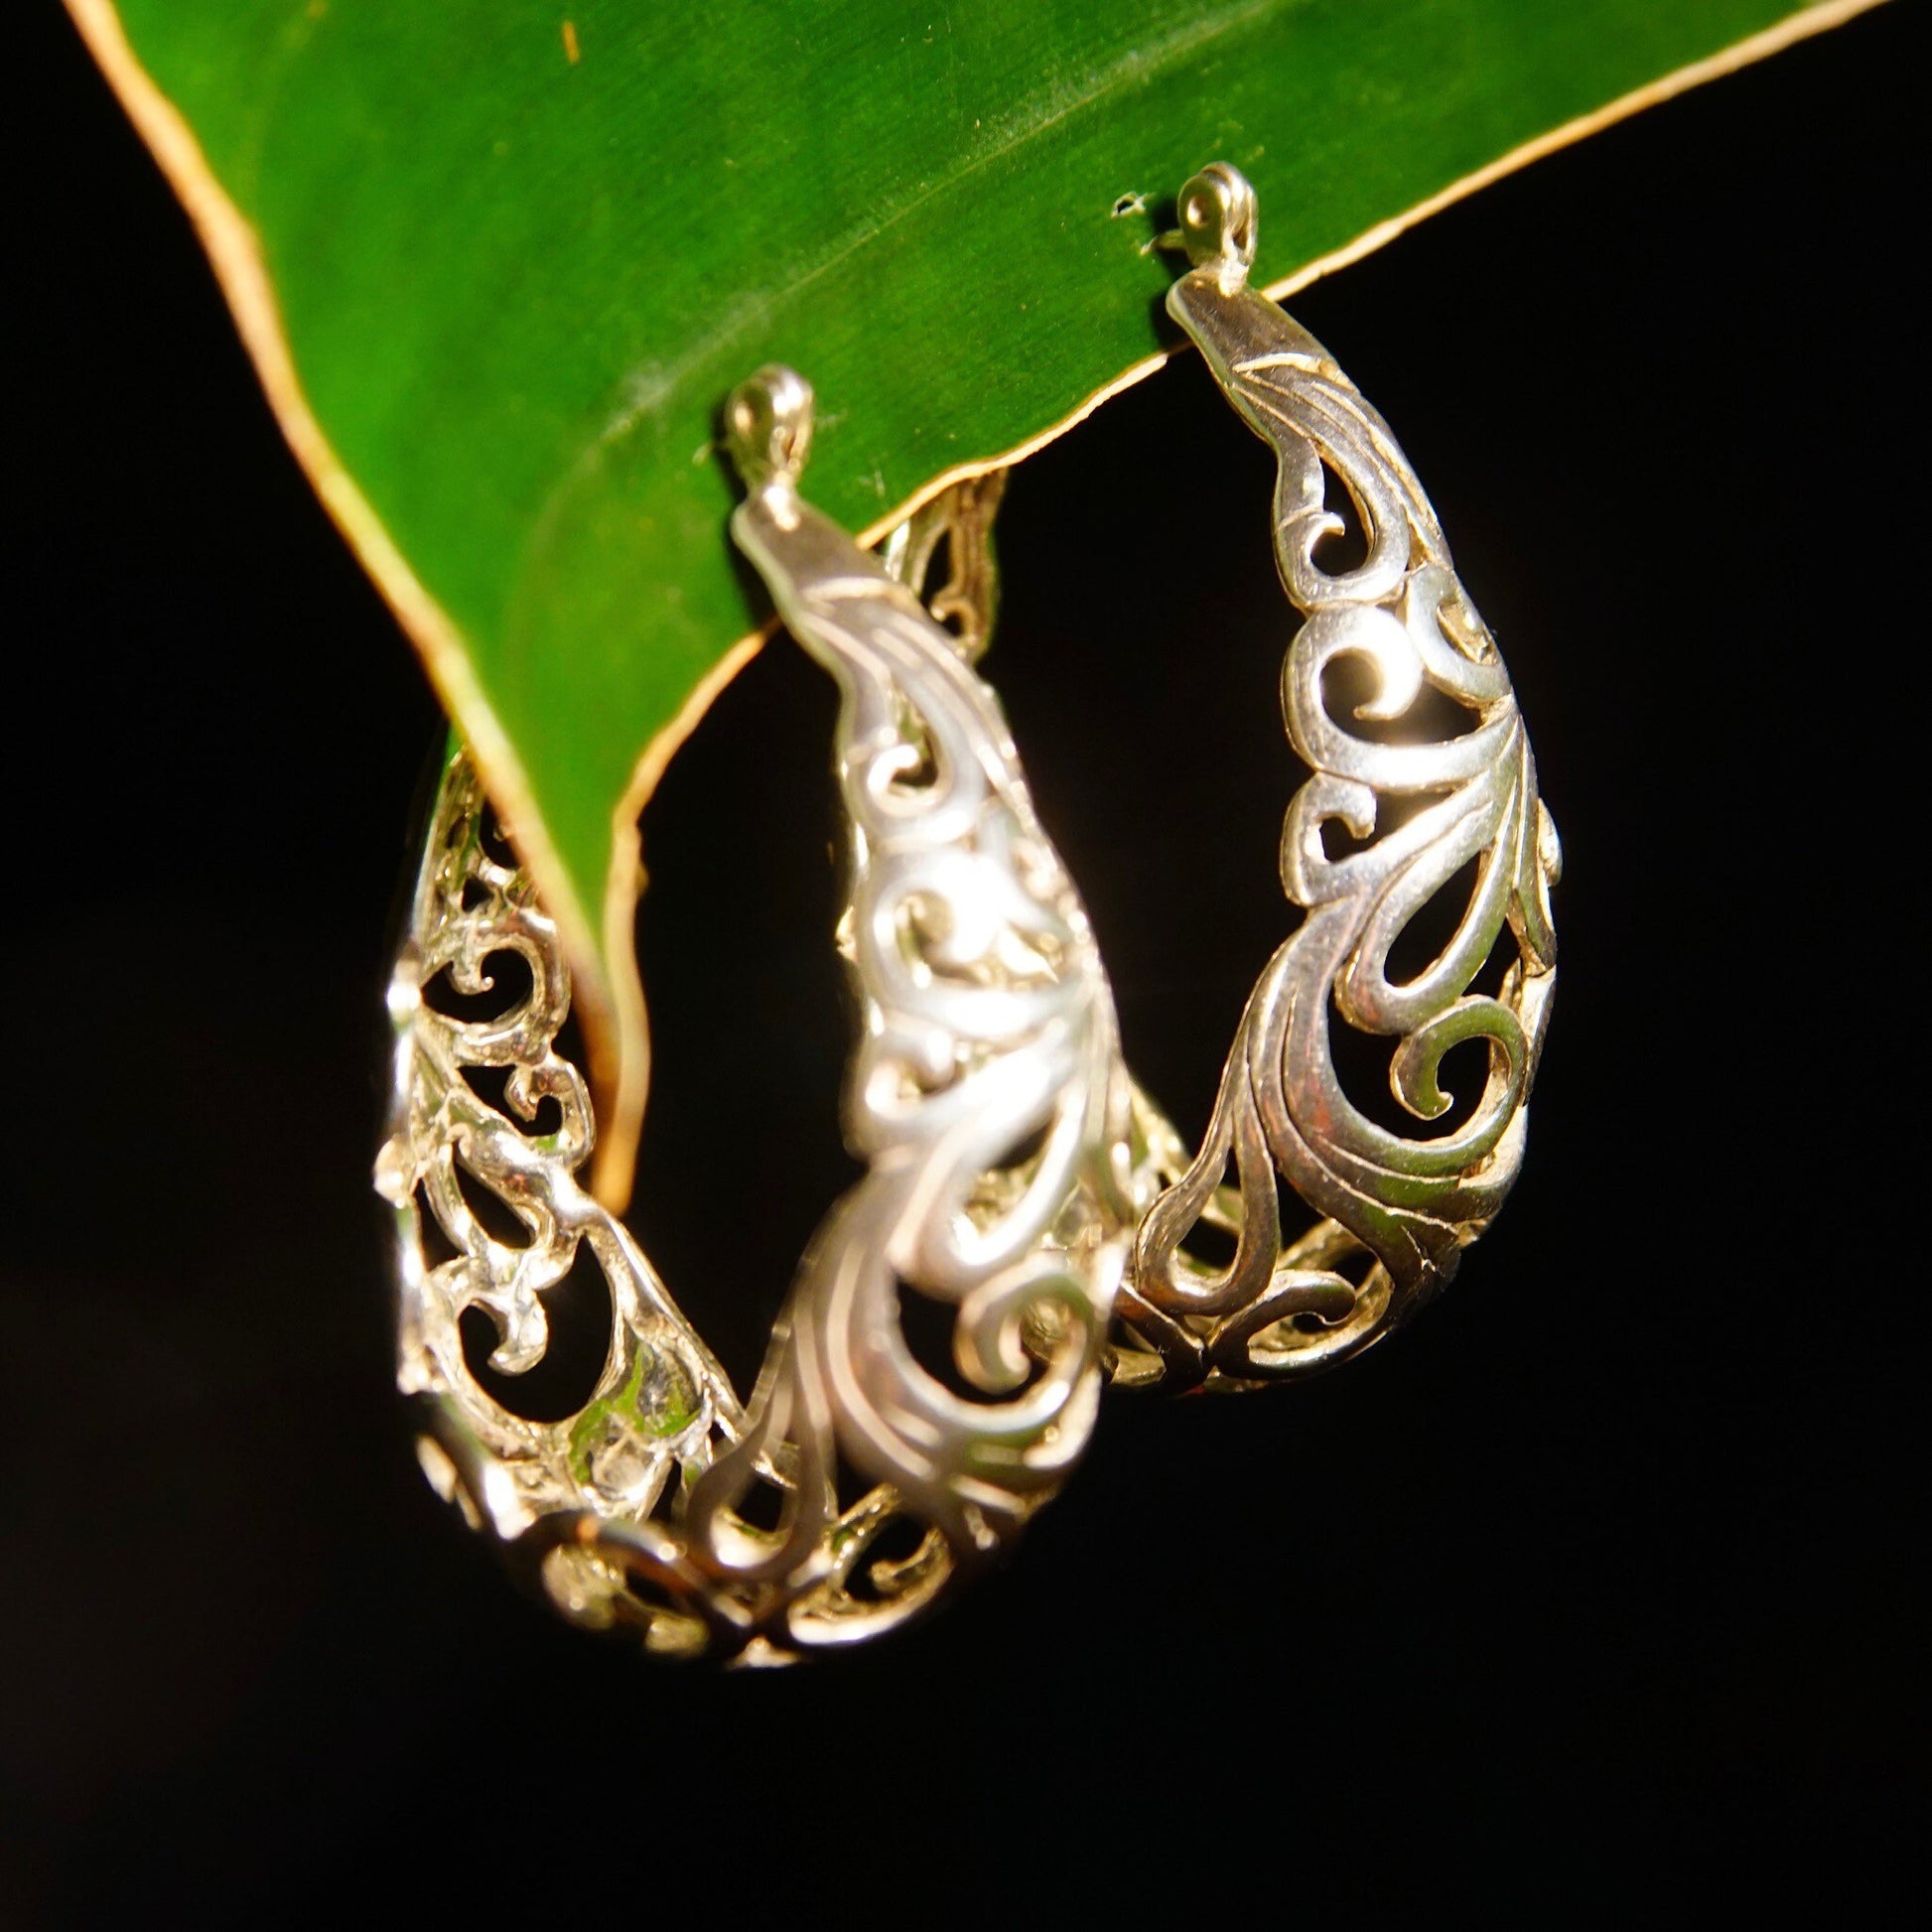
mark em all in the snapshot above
pixel 1419 804
pixel 489 1103
pixel 986 1090
pixel 985 1096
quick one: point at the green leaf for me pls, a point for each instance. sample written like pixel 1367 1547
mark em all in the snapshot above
pixel 499 262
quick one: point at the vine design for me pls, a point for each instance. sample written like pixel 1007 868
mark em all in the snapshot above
pixel 985 1098
pixel 1396 1208
pixel 661 1405
pixel 986 1093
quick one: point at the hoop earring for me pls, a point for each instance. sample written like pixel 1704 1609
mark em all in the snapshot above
pixel 986 1097
pixel 1395 1211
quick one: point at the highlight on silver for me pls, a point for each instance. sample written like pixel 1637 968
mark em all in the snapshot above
pixel 1395 810
pixel 985 1096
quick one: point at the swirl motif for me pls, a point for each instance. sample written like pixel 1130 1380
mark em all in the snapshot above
pixel 1419 814
pixel 661 1403
pixel 986 1093
pixel 985 1096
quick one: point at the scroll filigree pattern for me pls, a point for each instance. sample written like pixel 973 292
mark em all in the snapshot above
pixel 1419 813
pixel 985 1093
pixel 661 1405
pixel 985 1098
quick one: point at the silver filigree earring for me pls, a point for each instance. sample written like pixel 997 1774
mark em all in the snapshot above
pixel 1394 1209
pixel 986 1097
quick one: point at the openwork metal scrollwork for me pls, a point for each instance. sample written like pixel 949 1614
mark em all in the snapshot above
pixel 1397 1210
pixel 986 1090
pixel 986 1098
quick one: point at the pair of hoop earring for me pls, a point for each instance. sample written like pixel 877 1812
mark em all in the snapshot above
pixel 1013 1171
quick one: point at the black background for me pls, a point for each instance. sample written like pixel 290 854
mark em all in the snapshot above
pixel 1586 1593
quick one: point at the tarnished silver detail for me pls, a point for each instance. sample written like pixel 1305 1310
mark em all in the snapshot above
pixel 1419 812
pixel 986 1098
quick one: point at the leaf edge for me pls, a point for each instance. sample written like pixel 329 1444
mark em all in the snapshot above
pixel 609 989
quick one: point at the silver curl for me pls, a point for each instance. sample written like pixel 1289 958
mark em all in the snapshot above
pixel 985 1096
pixel 1396 1209
pixel 986 1090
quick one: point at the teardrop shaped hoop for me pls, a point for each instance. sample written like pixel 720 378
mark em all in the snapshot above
pixel 1385 821
pixel 986 1098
